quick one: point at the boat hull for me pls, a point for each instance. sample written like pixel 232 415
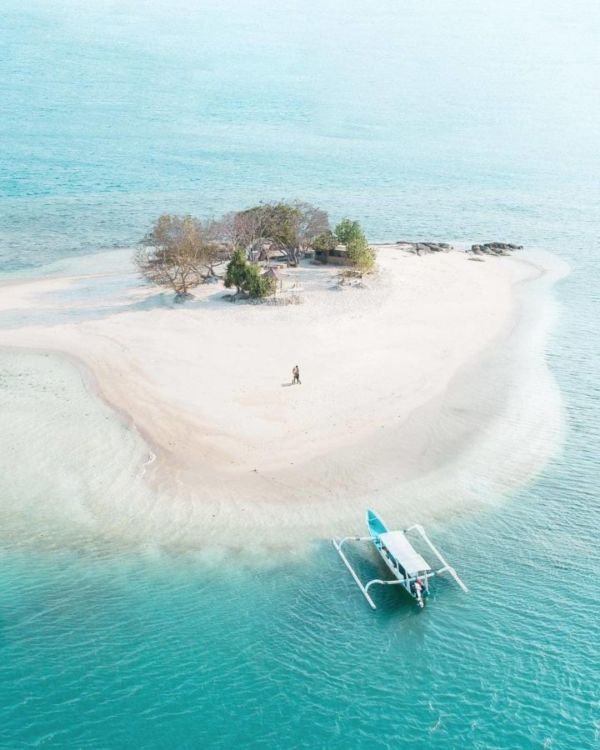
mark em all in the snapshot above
pixel 377 527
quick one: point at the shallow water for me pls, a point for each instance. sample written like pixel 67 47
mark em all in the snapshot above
pixel 103 649
pixel 474 123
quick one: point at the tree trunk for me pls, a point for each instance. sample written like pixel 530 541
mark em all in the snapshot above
pixel 292 255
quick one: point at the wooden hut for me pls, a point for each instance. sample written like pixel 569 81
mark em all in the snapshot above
pixel 338 256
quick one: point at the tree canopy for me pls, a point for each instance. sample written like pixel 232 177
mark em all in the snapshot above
pixel 313 222
pixel 290 227
pixel 278 222
pixel 176 253
pixel 349 232
pixel 179 251
pixel 325 242
pixel 362 256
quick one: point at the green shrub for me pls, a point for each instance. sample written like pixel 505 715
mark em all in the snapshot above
pixel 246 277
pixel 362 256
pixel 257 285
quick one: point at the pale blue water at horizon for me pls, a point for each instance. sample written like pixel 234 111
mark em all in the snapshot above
pixel 470 122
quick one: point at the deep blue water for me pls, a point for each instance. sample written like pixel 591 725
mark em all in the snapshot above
pixel 474 121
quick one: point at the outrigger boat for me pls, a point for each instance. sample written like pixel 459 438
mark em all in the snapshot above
pixel 409 568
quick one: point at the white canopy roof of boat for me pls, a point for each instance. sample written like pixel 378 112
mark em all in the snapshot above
pixel 397 543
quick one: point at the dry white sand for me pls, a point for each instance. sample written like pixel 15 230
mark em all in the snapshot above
pixel 207 384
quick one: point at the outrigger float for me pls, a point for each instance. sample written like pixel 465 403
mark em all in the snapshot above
pixel 410 569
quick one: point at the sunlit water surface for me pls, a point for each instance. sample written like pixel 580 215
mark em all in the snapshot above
pixel 470 122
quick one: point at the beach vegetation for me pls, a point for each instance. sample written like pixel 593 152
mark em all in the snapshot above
pixel 225 231
pixel 236 271
pixel 289 228
pixel 313 223
pixel 350 232
pixel 181 252
pixel 257 284
pixel 323 244
pixel 246 277
pixel 274 224
pixel 361 256
pixel 176 253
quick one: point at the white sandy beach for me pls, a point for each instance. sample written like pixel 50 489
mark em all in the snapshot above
pixel 392 385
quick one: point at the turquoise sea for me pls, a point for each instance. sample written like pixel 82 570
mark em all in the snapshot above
pixel 473 121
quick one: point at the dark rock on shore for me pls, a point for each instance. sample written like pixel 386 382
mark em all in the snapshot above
pixel 495 248
pixel 424 248
pixel 487 248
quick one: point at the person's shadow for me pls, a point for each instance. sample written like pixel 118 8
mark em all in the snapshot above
pixel 286 385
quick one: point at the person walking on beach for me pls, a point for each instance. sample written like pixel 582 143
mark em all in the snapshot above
pixel 296 375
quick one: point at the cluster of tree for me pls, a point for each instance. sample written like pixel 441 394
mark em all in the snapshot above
pixel 350 234
pixel 284 227
pixel 181 251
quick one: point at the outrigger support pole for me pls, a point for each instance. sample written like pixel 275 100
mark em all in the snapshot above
pixel 447 568
pixel 337 543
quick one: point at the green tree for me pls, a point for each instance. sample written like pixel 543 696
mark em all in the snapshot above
pixel 246 277
pixel 290 227
pixel 362 256
pixel 237 269
pixel 280 224
pixel 277 222
pixel 349 232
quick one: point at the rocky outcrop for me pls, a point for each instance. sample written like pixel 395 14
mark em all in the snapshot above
pixel 424 248
pixel 488 248
pixel 495 248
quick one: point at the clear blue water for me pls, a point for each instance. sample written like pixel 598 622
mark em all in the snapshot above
pixel 471 122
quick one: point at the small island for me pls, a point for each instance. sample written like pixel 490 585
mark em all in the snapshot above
pixel 386 336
